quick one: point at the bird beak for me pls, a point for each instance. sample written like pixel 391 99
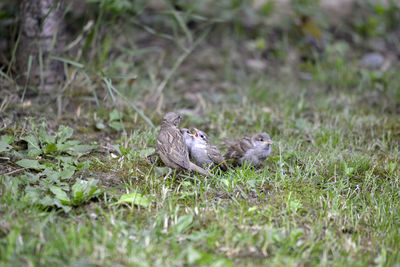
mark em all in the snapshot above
pixel 268 142
pixel 196 134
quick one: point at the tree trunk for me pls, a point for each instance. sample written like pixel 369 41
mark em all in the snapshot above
pixel 42 36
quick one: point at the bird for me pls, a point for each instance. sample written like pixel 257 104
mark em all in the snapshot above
pixel 187 135
pixel 171 146
pixel 251 150
pixel 189 138
pixel 204 153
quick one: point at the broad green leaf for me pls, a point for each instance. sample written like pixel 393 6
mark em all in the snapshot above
pixel 50 148
pixel 52 175
pixel 7 139
pixel 135 198
pixel 116 115
pixel 145 152
pixel 47 201
pixel 67 160
pixel 84 190
pixel 72 142
pixel 60 195
pixel 83 165
pixel 67 172
pixel 4 147
pixel 44 136
pixel 5 142
pixel 29 177
pixel 116 125
pixel 30 164
pixel 64 133
pixel 58 204
pixel 33 146
pixel 79 149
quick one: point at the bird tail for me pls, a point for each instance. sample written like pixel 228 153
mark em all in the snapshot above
pixel 194 167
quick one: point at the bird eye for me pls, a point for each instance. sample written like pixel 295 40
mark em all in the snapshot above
pixel 262 139
pixel 202 136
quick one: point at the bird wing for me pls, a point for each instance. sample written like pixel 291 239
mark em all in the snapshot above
pixel 238 148
pixel 171 143
pixel 215 155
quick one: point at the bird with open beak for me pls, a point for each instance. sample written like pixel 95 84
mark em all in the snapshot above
pixel 204 153
pixel 171 146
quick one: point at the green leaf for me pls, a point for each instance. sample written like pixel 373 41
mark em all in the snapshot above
pixel 135 198
pixel 44 136
pixel 64 133
pixel 7 139
pixel 116 115
pixel 4 146
pixel 5 142
pixel 79 149
pixel 58 204
pixel 30 164
pixel 84 165
pixel 60 195
pixel 67 160
pixel 50 148
pixel 116 125
pixel 52 175
pixel 146 152
pixel 47 201
pixel 33 146
pixel 67 172
pixel 84 190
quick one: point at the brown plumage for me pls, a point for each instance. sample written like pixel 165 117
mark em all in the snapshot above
pixel 253 150
pixel 171 146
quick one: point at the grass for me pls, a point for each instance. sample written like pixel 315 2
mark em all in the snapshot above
pixel 328 195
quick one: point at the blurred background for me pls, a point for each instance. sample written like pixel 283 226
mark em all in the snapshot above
pixel 150 56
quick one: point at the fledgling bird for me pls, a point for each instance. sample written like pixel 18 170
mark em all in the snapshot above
pixel 204 153
pixel 253 150
pixel 189 138
pixel 171 146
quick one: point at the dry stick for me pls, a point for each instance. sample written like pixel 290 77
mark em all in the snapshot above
pixel 179 61
pixel 14 171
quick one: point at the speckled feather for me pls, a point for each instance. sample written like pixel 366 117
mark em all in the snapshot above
pixel 254 149
pixel 171 146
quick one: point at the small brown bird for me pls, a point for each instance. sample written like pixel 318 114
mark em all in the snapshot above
pixel 171 146
pixel 204 153
pixel 253 150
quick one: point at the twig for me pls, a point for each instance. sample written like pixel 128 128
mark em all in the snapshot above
pixel 14 171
